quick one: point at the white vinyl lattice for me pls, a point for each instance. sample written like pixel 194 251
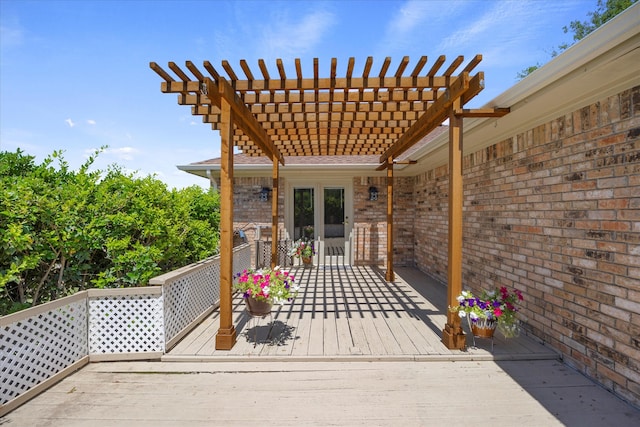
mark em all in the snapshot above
pixel 189 296
pixel 40 345
pixel 242 259
pixel 36 348
pixel 126 324
pixel 263 253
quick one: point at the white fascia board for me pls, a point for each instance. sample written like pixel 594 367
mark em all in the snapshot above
pixel 614 33
pixel 258 170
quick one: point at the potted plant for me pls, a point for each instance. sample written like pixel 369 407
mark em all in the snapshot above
pixel 496 308
pixel 263 288
pixel 308 232
pixel 304 250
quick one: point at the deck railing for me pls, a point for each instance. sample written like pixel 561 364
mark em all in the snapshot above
pixel 263 253
pixel 41 345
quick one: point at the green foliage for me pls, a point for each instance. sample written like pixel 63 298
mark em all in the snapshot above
pixel 605 11
pixel 524 73
pixel 62 231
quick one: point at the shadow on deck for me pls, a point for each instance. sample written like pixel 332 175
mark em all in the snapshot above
pixel 351 313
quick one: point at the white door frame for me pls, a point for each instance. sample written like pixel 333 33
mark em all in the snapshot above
pixel 318 185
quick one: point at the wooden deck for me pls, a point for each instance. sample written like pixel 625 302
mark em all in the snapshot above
pixel 351 351
pixel 435 393
pixel 351 313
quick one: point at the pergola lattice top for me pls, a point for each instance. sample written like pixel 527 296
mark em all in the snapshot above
pixel 327 115
pixel 366 115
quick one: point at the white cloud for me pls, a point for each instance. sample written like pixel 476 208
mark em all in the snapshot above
pixel 412 14
pixel 70 123
pixel 287 38
pixel 483 29
pixel 417 20
pixel 91 122
pixel 122 153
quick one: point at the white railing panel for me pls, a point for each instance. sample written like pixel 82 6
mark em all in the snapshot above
pixel 128 320
pixel 263 253
pixel 104 324
pixel 190 295
pixel 241 258
pixel 192 290
pixel 35 348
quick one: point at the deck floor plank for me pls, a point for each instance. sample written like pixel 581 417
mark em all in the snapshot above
pixel 341 369
pixel 350 311
pixel 522 393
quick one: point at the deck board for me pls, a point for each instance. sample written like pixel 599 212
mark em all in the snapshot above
pixel 350 311
pixel 370 356
pixel 519 393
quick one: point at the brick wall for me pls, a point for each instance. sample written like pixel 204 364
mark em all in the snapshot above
pixel 252 215
pixel 555 212
pixel 431 222
pixel 370 221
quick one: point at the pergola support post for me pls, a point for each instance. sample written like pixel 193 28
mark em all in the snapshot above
pixel 274 211
pixel 226 336
pixel 390 275
pixel 453 336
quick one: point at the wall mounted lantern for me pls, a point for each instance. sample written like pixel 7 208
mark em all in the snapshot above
pixel 264 194
pixel 373 193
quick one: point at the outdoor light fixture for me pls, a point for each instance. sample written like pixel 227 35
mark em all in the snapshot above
pixel 264 194
pixel 373 193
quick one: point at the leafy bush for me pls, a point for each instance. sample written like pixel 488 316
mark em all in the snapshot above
pixel 62 231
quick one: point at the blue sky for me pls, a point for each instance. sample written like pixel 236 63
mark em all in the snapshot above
pixel 74 75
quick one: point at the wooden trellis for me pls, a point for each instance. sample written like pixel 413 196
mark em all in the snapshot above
pixel 284 115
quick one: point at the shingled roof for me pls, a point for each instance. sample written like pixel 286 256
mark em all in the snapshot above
pixel 242 159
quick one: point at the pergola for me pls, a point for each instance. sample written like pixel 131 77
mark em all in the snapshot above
pixel 366 114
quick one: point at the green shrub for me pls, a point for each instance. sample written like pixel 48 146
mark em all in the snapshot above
pixel 62 231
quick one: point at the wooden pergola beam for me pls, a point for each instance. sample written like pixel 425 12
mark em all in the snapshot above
pixel 242 116
pixel 325 83
pixel 463 87
pixel 482 112
pixel 319 115
pixel 390 274
pixel 226 336
pixel 274 211
pixel 396 162
pixel 453 336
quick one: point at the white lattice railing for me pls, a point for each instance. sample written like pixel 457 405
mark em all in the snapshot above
pixel 39 343
pixel 188 293
pixel 126 323
pixel 263 253
pixel 43 344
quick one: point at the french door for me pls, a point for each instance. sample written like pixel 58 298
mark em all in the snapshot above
pixel 321 212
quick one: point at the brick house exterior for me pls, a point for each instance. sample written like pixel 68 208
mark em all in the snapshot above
pixel 551 203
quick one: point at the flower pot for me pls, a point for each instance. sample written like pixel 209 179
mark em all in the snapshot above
pixel 511 330
pixel 483 328
pixel 307 261
pixel 257 308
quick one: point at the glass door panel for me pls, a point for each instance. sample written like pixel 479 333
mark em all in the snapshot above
pixel 333 213
pixel 334 226
pixel 303 214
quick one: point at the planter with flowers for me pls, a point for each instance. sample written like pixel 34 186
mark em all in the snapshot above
pixel 261 289
pixel 304 250
pixel 492 309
